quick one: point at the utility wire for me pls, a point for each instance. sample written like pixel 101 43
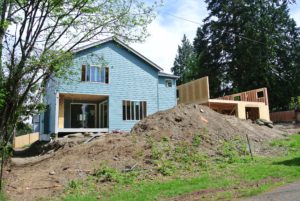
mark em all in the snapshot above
pixel 194 22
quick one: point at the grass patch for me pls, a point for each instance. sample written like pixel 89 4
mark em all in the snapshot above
pixel 181 170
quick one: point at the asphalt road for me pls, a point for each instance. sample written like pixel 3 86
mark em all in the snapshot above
pixel 290 192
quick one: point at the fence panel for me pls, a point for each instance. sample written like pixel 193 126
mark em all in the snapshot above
pixel 24 140
pixel 285 116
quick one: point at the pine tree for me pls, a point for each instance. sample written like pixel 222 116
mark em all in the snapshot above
pixel 204 64
pixel 182 61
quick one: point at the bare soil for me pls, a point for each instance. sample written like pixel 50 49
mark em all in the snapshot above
pixel 45 169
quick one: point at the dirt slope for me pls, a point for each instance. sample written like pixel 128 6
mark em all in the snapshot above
pixel 47 174
pixel 183 121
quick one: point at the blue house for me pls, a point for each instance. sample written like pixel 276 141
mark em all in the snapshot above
pixel 111 87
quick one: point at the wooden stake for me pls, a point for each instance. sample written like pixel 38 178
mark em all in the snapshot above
pixel 249 146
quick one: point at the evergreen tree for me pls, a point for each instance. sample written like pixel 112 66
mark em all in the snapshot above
pixel 182 61
pixel 204 64
pixel 252 44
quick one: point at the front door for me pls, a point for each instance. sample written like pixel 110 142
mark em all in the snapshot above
pixel 103 114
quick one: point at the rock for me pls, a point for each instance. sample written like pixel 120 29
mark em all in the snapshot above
pixel 178 118
pixel 201 110
pixel 51 173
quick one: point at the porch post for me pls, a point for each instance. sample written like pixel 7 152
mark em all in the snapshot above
pixel 56 113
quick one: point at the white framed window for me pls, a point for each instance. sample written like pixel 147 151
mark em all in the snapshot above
pixel 168 83
pixel 134 110
pixel 93 73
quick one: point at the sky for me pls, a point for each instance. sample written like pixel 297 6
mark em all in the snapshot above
pixel 167 30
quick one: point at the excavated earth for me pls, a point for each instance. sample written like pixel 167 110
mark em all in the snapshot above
pixel 44 170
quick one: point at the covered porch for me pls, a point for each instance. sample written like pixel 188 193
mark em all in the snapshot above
pixel 82 113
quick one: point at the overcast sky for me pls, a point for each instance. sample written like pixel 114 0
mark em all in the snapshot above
pixel 167 30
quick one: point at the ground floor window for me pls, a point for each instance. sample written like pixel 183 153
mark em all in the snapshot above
pixel 83 115
pixel 134 110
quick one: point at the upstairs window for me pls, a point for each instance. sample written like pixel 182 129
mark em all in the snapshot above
pixel 260 94
pixel 134 110
pixel 94 74
pixel 168 83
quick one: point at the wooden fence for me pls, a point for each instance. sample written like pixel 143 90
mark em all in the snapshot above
pixel 24 140
pixel 285 116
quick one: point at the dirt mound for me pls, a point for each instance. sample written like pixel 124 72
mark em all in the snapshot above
pixel 185 121
pixel 60 161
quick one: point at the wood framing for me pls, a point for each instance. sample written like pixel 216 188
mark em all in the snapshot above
pixel 251 104
pixel 256 95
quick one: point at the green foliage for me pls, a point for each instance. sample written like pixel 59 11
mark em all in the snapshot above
pixel 23 128
pixel 182 61
pixel 108 174
pixel 295 103
pixel 234 151
pixel 166 167
pixel 291 144
pixel 196 141
pixel 2 196
pixel 2 96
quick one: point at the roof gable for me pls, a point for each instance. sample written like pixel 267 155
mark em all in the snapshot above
pixel 121 43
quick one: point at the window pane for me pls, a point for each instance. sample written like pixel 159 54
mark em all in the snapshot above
pixel 137 110
pixel 98 77
pixel 128 109
pixel 132 110
pixel 88 73
pixel 83 72
pixel 168 83
pixel 124 110
pixel 102 78
pixel 93 74
pixel 106 75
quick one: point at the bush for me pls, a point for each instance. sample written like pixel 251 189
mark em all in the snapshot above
pixel 166 167
pixel 109 174
pixel 234 151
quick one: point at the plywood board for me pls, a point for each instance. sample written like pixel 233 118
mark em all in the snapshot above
pixel 196 91
pixel 61 113
pixel 24 140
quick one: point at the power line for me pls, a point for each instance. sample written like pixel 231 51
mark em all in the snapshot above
pixel 194 22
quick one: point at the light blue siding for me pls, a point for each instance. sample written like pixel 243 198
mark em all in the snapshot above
pixel 167 95
pixel 130 78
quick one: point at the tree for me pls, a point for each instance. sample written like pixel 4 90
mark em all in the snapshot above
pixel 254 44
pixel 36 42
pixel 204 64
pixel 183 60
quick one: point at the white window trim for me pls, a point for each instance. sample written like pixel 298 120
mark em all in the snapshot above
pixel 97 66
pixel 166 84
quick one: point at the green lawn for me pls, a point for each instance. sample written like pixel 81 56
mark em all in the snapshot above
pixel 223 179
